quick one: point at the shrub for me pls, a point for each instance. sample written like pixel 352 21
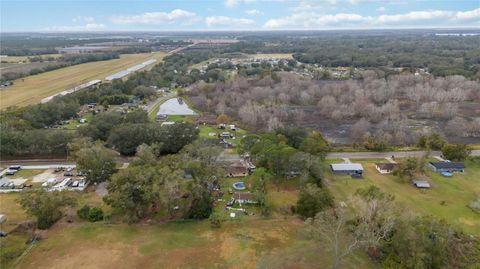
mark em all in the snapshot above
pixel 95 214
pixel 83 212
pixel 216 220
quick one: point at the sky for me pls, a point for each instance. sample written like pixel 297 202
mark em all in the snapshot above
pixel 185 15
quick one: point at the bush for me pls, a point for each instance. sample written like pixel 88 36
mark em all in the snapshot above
pixel 313 200
pixel 216 220
pixel 455 152
pixel 475 204
pixel 83 212
pixel 95 214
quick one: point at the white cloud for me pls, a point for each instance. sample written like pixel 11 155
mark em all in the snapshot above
pixel 253 12
pixel 154 17
pixel 468 15
pixel 302 20
pixel 234 3
pixel 309 5
pixel 83 19
pixel 227 21
pixel 381 9
pixel 77 28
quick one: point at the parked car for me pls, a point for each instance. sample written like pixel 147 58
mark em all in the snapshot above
pixel 10 172
pixel 14 167
pixel 68 174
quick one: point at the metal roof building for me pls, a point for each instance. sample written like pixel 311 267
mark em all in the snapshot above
pixel 346 168
pixel 422 184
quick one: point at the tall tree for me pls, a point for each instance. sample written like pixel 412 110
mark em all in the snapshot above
pixel 45 206
pixel 93 159
pixel 315 144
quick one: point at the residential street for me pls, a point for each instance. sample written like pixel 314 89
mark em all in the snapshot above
pixel 396 154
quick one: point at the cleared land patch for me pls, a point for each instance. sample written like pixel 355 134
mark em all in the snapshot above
pixel 238 244
pixel 32 89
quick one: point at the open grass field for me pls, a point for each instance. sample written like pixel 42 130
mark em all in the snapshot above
pixel 16 59
pixel 277 241
pixel 448 198
pixel 263 56
pixel 252 243
pixel 32 89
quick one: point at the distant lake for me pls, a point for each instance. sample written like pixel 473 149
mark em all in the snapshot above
pixel 175 107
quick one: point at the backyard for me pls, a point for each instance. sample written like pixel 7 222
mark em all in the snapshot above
pixel 447 198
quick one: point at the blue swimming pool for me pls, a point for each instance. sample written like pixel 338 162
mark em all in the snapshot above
pixel 239 185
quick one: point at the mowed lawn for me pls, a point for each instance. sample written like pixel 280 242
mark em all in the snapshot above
pixel 32 89
pixel 448 198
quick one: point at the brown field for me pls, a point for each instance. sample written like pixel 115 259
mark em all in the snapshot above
pixel 32 89
pixel 249 243
pixel 23 67
pixel 16 59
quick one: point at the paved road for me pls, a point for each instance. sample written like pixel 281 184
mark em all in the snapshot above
pixel 375 155
pixel 41 167
pixel 4 163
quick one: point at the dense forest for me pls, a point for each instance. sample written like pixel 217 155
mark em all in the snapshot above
pixel 441 55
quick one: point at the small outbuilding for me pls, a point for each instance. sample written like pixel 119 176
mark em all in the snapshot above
pixel 385 168
pixel 447 166
pixel 421 184
pixel 237 169
pixel 347 168
pixel 243 198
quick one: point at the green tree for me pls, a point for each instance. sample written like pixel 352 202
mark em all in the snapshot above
pixel 93 159
pixel 216 220
pixel 134 192
pixel 45 206
pixel 201 203
pixel 406 169
pixel 146 155
pixel 95 214
pixel 315 144
pixel 436 141
pixel 426 242
pixel 313 199
pixel 83 212
pixel 456 152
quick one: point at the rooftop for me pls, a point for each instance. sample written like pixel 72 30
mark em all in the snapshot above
pixel 443 165
pixel 347 167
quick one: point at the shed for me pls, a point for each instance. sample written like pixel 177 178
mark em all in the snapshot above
pixel 447 166
pixel 243 198
pixel 347 168
pixel 237 169
pixel 421 184
pixel 385 168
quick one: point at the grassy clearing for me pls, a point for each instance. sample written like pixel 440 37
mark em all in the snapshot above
pixel 448 198
pixel 207 129
pixel 250 243
pixel 16 59
pixel 263 56
pixel 13 245
pixel 32 89
pixel 27 174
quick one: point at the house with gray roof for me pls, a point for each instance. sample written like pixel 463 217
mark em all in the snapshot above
pixel 347 168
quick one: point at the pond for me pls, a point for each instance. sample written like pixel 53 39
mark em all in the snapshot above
pixel 175 106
